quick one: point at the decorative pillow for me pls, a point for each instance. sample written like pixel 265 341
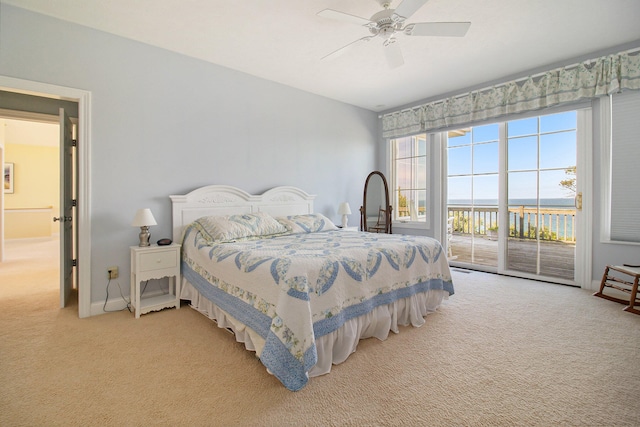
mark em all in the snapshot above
pixel 234 227
pixel 309 223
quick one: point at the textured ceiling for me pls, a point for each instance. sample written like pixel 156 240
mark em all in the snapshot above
pixel 284 40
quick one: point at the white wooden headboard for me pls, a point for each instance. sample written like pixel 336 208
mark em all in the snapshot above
pixel 227 200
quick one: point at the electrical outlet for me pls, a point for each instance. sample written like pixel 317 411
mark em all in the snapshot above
pixel 112 272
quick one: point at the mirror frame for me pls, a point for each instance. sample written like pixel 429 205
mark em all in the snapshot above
pixel 363 221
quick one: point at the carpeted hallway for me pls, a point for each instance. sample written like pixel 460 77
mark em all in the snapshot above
pixel 501 351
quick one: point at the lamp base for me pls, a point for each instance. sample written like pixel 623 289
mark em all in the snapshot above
pixel 344 221
pixel 144 236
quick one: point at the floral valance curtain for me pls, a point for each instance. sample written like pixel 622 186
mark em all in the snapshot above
pixel 591 79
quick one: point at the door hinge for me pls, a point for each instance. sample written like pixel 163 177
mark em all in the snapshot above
pixel 74 142
pixel 74 263
pixel 74 202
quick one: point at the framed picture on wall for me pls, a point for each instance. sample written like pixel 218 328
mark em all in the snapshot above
pixel 8 177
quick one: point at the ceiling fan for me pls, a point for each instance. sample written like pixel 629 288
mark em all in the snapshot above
pixel 388 23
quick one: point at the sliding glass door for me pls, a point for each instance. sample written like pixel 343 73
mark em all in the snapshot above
pixel 511 196
pixel 541 182
pixel 473 183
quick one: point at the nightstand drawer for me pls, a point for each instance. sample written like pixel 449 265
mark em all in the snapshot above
pixel 158 260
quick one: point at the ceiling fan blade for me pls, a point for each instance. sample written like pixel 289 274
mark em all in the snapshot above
pixel 341 16
pixel 438 29
pixel 343 49
pixel 407 8
pixel 393 53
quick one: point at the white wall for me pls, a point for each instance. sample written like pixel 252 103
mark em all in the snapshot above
pixel 163 124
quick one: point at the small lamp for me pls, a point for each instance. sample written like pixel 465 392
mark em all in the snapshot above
pixel 344 210
pixel 143 219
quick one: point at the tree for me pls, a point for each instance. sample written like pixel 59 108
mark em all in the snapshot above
pixel 569 183
pixel 403 210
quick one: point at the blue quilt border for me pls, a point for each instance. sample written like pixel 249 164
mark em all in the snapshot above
pixel 275 355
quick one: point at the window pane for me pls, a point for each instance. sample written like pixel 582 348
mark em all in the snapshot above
pixel 421 172
pixel 485 190
pixel 522 153
pixel 485 158
pixel 459 160
pixel 404 147
pixel 459 190
pixel 558 150
pixel 485 133
pixel 556 122
pixel 422 145
pixel 552 192
pixel 403 173
pixel 402 211
pixel 459 137
pixel 523 188
pixel 522 127
pixel 421 197
pixel 410 176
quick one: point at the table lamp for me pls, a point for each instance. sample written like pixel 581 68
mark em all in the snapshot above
pixel 344 210
pixel 143 219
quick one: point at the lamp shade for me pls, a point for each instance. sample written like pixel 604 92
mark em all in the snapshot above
pixel 344 209
pixel 143 218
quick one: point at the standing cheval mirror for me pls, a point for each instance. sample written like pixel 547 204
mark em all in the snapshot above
pixel 375 212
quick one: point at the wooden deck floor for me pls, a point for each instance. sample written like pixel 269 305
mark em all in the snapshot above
pixel 556 258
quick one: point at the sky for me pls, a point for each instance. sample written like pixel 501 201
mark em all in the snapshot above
pixel 539 150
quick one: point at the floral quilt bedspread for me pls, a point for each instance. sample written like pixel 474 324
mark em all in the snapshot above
pixel 293 288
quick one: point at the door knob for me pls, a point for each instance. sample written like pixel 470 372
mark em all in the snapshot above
pixel 62 218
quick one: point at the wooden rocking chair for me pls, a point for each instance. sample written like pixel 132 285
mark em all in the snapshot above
pixel 622 278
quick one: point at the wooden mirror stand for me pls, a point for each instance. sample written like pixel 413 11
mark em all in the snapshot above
pixel 375 212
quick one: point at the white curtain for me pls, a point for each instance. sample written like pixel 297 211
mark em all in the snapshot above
pixel 591 79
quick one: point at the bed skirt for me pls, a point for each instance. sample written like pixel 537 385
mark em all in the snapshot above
pixel 335 347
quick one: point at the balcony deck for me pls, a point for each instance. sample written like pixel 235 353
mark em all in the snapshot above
pixel 556 258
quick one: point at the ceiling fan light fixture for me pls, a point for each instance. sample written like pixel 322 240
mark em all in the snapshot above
pixel 387 22
pixel 387 32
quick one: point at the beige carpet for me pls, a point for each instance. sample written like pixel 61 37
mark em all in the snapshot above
pixel 500 352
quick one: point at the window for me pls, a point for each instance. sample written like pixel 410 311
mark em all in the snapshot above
pixel 409 178
pixel 621 163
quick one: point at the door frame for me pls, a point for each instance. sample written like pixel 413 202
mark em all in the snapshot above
pixel 584 163
pixel 584 160
pixel 83 210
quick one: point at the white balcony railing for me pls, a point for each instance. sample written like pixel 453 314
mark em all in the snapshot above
pixel 524 222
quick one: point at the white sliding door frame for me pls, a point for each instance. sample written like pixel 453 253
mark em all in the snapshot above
pixel 584 164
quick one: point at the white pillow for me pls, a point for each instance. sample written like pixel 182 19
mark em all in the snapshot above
pixel 235 227
pixel 309 223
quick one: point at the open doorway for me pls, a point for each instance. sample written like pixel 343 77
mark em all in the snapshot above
pixel 31 257
pixel 41 98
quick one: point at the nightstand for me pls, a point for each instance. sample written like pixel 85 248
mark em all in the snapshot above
pixel 155 262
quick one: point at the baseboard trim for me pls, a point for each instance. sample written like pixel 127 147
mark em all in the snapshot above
pixel 112 305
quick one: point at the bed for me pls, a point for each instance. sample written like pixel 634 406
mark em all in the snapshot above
pixel 294 288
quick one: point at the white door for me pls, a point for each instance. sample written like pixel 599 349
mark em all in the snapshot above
pixel 66 207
